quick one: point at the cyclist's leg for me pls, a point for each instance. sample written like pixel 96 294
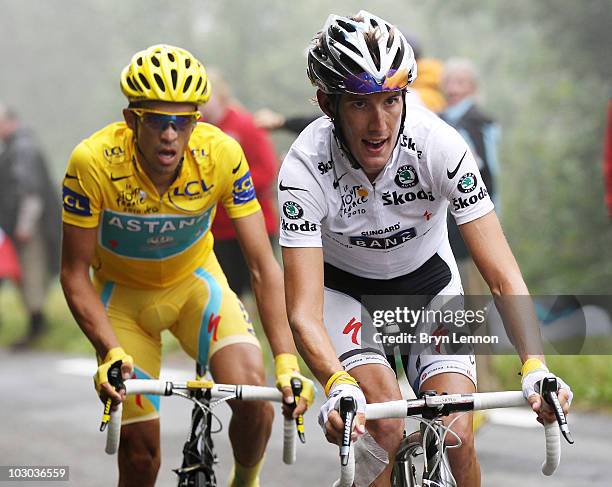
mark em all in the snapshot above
pixel 139 452
pixel 364 358
pixel 379 384
pixel 458 377
pixel 214 328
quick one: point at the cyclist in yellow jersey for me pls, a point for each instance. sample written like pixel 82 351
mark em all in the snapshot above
pixel 139 199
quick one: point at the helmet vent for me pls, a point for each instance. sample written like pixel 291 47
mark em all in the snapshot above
pixel 187 63
pixel 144 81
pixel 131 84
pixel 160 82
pixel 174 75
pixel 187 83
pixel 139 61
pixel 155 61
pixel 346 26
pixel 199 84
pixel 171 56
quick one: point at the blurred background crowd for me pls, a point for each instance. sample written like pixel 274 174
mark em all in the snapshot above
pixel 528 84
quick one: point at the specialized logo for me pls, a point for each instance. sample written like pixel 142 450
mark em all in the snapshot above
pixel 325 167
pixel 337 180
pixel 192 189
pixel 396 198
pixel 460 203
pixel 353 328
pixel 292 210
pixel 76 203
pixel 452 174
pixel 406 176
pixel 305 226
pixel 243 190
pixel 282 187
pixel 467 183
pixel 384 243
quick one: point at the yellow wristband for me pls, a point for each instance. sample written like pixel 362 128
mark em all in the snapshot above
pixel 532 364
pixel 284 362
pixel 340 377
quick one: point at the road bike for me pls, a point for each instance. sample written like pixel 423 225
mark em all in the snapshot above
pixel 421 460
pixel 199 458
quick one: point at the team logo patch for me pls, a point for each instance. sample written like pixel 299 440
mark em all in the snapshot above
pixel 467 183
pixel 75 203
pixel 406 177
pixel 292 210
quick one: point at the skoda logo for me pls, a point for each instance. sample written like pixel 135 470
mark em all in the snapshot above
pixel 406 177
pixel 467 183
pixel 292 210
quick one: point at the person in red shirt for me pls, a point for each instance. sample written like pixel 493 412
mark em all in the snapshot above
pixel 225 112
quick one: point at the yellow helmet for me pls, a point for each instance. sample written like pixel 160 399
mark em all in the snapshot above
pixel 165 73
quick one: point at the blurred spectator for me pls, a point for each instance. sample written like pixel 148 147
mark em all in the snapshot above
pixel 30 215
pixel 225 112
pixel 460 86
pixel 425 90
pixel 608 159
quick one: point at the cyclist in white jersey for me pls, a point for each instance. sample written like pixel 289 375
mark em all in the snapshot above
pixel 363 194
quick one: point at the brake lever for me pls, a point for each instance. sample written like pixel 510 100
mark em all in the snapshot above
pixel 115 380
pixel 348 411
pixel 548 390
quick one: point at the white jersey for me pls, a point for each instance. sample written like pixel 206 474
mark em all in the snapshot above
pixel 393 225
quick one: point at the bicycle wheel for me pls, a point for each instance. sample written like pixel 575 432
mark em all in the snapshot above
pixel 197 469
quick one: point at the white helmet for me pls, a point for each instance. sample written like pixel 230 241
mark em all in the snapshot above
pixel 360 55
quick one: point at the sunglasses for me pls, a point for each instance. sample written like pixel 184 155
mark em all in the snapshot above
pixel 158 120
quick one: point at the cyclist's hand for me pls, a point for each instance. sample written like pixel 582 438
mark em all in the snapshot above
pixel 341 385
pixel 533 372
pixel 106 390
pixel 287 368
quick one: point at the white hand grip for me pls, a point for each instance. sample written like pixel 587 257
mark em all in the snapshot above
pixel 145 386
pixel 289 442
pixel 347 472
pixel 553 448
pixel 390 409
pixel 261 393
pixel 113 434
pixel 506 399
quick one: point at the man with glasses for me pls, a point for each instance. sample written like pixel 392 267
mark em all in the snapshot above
pixel 139 198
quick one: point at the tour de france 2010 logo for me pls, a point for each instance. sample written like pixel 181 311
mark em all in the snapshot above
pixel 467 183
pixel 406 176
pixel 292 210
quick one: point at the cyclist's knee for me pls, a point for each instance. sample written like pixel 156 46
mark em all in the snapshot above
pixel 387 432
pixel 254 412
pixel 464 435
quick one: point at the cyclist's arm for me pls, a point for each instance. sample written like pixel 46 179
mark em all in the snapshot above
pixel 303 267
pixel 78 247
pixel 266 280
pixel 492 255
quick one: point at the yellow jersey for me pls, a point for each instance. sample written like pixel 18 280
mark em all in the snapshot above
pixel 148 240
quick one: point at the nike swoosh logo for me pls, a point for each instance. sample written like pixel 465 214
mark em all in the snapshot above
pixel 118 178
pixel 337 181
pixel 282 187
pixel 70 176
pixel 451 175
pixel 235 170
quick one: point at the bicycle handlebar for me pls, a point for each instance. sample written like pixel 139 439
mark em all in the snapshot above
pixel 217 391
pixel 446 404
